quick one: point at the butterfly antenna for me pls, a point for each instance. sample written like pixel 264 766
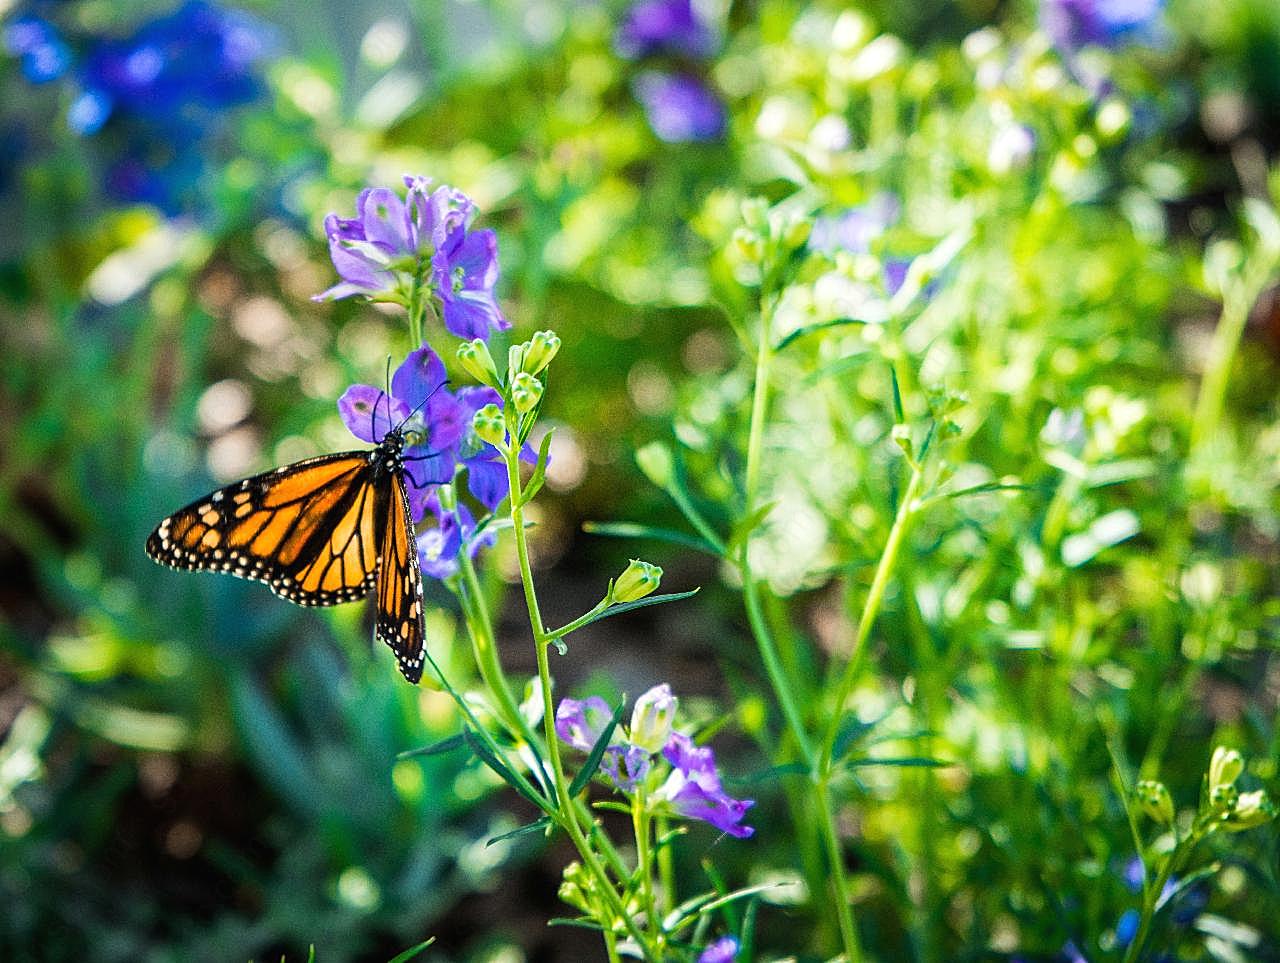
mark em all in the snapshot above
pixel 422 404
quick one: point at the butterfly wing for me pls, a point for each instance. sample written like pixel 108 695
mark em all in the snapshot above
pixel 307 530
pixel 398 618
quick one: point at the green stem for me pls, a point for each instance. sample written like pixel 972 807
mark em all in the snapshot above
pixel 666 866
pixel 568 810
pixel 839 876
pixel 1236 302
pixel 577 623
pixel 640 823
pixel 1151 894
pixel 484 646
pixel 870 611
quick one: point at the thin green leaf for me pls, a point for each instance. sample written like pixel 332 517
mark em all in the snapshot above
pixel 744 529
pixel 984 489
pixel 533 827
pixel 899 416
pixel 412 951
pixel 635 530
pixel 540 470
pixel 637 604
pixel 799 333
pixel 851 730
pixel 902 761
pixel 682 914
pixel 747 935
pixel 768 775
pixel 581 922
pixel 444 745
pixel 596 755
pixel 611 806
pixel 490 759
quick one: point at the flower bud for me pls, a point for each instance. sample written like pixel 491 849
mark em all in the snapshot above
pixel 526 392
pixel 1225 767
pixel 1155 801
pixel 488 424
pixel 1252 809
pixel 755 213
pixel 577 889
pixel 657 463
pixel 652 718
pixel 748 245
pixel 637 581
pixel 541 349
pixel 515 358
pixel 1223 799
pixel 796 233
pixel 475 358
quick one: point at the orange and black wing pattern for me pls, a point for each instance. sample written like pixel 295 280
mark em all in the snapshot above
pixel 398 616
pixel 308 530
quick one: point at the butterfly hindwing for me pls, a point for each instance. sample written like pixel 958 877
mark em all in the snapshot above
pixel 307 530
pixel 398 619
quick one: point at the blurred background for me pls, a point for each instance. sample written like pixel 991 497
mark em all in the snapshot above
pixel 192 769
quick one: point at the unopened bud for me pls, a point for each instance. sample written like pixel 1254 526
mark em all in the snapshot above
pixel 515 358
pixel 577 888
pixel 1252 809
pixel 797 233
pixel 1225 767
pixel 541 349
pixel 755 213
pixel 748 245
pixel 637 581
pixel 526 392
pixel 489 425
pixel 652 718
pixel 1223 799
pixel 474 356
pixel 1155 801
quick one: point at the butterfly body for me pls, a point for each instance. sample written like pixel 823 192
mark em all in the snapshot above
pixel 322 531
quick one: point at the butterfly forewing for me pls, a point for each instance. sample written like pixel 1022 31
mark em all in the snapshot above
pixel 398 617
pixel 307 530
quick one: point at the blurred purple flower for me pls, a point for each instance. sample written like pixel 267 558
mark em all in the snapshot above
pixel 1127 927
pixel 581 723
pixel 179 69
pixel 654 27
pixel 693 788
pixel 438 547
pixel 626 765
pixel 679 107
pixel 856 228
pixel 1072 24
pixel 723 950
pixel 42 53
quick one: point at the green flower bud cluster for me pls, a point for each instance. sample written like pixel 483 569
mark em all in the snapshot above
pixel 1226 805
pixel 766 237
pixel 1155 801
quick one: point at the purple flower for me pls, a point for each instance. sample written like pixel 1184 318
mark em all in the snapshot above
pixel 1072 24
pixel 693 788
pixel 679 107
pixel 433 420
pixel 466 269
pixel 664 27
pixel 626 765
pixel 723 950
pixel 438 547
pixel 856 228
pixel 581 723
pixel 1127 927
pixel 41 51
pixel 392 247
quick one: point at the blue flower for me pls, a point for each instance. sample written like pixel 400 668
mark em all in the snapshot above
pixel 41 51
pixel 1127 927
pixel 175 71
pixel 1072 24
pixel 679 107
pixel 723 950
pixel 654 27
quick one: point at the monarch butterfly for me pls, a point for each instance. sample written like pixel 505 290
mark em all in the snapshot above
pixel 318 532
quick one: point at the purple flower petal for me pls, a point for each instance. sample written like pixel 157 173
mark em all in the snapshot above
pixel 654 27
pixel 447 422
pixel 693 788
pixel 723 950
pixel 626 766
pixel 487 481
pixel 369 412
pixel 418 378
pixel 385 220
pixel 580 723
